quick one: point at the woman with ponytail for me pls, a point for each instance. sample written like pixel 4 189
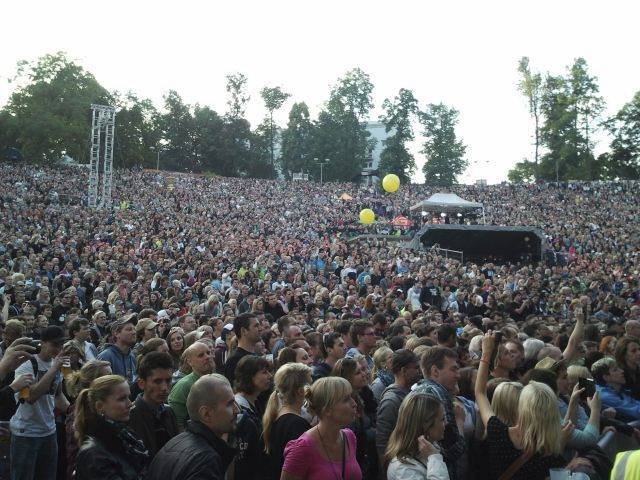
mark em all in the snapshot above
pixel 282 420
pixel 76 382
pixel 108 448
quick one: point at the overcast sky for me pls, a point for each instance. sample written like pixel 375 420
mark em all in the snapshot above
pixel 462 53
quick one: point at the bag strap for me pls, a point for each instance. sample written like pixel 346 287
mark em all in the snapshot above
pixel 515 466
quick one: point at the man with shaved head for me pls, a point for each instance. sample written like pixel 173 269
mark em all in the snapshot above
pixel 200 451
pixel 199 358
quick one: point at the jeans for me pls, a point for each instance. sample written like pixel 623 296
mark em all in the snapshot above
pixel 34 458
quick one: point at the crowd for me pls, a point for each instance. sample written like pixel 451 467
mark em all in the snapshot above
pixel 226 328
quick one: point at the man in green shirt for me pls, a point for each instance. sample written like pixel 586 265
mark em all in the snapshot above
pixel 199 358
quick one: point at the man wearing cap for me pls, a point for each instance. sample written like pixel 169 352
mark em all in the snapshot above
pixel 145 330
pixel 34 447
pixel 119 353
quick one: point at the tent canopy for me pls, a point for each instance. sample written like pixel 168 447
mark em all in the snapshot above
pixel 346 196
pixel 401 221
pixel 445 202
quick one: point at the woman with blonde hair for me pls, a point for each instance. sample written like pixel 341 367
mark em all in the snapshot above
pixel 282 420
pixel 381 371
pixel 505 402
pixel 412 451
pixel 75 383
pixel 108 448
pixel 534 444
pixel 328 450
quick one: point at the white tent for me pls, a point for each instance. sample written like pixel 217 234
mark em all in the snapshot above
pixel 447 203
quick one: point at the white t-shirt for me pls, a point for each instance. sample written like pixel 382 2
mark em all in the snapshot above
pixel 37 420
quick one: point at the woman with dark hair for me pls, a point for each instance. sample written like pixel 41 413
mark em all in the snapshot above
pixel 627 353
pixel 175 342
pixel 252 377
pixel 333 349
pixel 364 424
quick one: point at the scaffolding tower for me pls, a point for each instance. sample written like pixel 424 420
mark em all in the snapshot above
pixel 101 173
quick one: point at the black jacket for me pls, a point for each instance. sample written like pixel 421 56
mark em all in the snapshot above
pixel 111 453
pixel 154 427
pixel 196 453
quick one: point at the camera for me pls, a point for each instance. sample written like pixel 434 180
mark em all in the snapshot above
pixel 589 387
pixel 36 344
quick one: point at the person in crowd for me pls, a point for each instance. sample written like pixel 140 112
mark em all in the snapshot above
pixel 333 349
pixel 441 373
pixel 412 451
pixel 152 345
pixel 610 382
pixel 13 356
pixel 198 357
pixel 75 383
pixel 175 342
pixel 406 372
pixel 80 334
pixel 328 450
pixel 150 417
pixel 247 332
pixel 252 378
pixel 283 420
pixel 200 451
pixel 383 376
pixel 119 354
pixel 363 339
pixel 365 421
pixel 532 446
pixel 146 329
pixel 627 354
pixel 108 448
pixel 504 402
pixel 34 445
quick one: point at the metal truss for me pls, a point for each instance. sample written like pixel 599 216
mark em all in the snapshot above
pixel 101 168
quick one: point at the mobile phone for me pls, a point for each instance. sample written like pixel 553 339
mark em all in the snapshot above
pixel 589 387
pixel 37 345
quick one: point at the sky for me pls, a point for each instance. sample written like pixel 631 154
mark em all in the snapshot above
pixel 461 53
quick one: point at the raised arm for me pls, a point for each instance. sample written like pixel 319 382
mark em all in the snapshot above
pixel 484 406
pixel 576 336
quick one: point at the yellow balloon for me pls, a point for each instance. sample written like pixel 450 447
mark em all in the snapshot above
pixel 390 183
pixel 367 216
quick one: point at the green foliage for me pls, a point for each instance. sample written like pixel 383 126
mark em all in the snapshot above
pixel 340 132
pixel 47 115
pixel 395 158
pixel 137 134
pixel 442 149
pixel 531 87
pixel 177 128
pixel 623 161
pixel 273 98
pixel 297 142
pixel 523 172
pixel 237 89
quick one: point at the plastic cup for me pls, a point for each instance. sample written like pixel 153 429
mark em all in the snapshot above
pixel 559 474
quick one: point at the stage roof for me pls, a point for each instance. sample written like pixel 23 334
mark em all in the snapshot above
pixel 445 202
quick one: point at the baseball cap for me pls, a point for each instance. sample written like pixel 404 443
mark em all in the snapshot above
pixel 548 363
pixel 145 324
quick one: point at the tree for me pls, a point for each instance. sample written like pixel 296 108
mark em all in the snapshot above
pixel 443 150
pixel 49 113
pixel 177 127
pixel 273 98
pixel 137 135
pixel 395 158
pixel 623 161
pixel 259 164
pixel 523 172
pixel 237 89
pixel 588 106
pixel 341 134
pixel 531 87
pixel 297 141
pixel 208 141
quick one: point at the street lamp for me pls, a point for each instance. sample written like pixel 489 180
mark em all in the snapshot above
pixel 322 164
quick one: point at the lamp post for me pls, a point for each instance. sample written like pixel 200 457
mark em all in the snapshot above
pixel 322 164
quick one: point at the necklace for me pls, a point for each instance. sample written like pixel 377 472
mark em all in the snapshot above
pixel 329 457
